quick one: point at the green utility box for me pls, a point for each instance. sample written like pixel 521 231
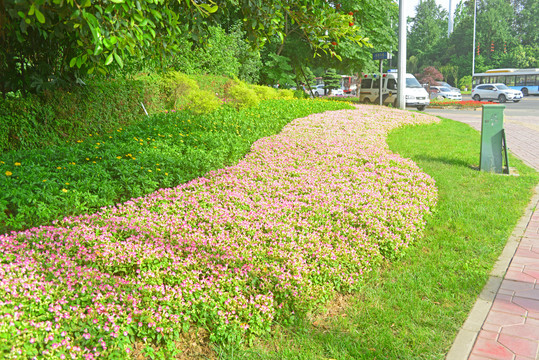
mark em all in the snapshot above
pixel 493 147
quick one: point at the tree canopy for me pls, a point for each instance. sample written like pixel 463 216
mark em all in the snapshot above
pixel 45 42
pixel 506 37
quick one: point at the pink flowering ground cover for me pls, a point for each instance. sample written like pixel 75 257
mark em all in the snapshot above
pixel 307 213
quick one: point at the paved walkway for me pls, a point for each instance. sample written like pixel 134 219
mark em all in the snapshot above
pixel 504 322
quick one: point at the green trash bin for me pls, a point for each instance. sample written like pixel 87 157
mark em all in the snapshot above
pixel 493 147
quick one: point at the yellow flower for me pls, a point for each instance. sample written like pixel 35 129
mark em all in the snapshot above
pixel 79 141
pixel 44 180
pixel 118 157
pixel 59 168
pixel 158 169
pixel 1 162
pixel 88 159
pixel 17 164
pixel 149 170
pixel 64 190
pixel 9 173
pixel 67 183
pixel 166 174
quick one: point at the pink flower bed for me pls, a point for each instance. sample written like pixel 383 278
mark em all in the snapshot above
pixel 305 214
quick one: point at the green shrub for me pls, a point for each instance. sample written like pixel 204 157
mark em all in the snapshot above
pixel 212 83
pixel 300 94
pixel 201 102
pixel 241 96
pixel 73 114
pixel 175 87
pixel 265 92
pixel 465 83
pixel 285 94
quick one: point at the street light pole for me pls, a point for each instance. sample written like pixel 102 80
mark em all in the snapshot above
pixel 473 50
pixel 401 78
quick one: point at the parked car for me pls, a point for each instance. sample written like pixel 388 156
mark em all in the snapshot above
pixel 443 83
pixel 414 93
pixel 445 92
pixel 337 92
pixel 319 90
pixel 499 92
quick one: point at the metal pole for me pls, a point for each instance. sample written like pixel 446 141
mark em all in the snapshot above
pixel 381 78
pixel 450 22
pixel 473 50
pixel 401 79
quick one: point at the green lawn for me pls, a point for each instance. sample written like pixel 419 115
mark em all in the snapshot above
pixel 414 307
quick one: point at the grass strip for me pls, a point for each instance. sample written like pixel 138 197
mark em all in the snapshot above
pixel 414 307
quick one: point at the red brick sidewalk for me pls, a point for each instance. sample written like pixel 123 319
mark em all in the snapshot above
pixel 511 329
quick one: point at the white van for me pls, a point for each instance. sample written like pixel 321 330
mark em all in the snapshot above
pixel 415 94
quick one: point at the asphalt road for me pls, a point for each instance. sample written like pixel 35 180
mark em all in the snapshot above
pixel 521 124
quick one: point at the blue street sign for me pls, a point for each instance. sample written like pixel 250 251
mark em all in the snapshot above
pixel 381 56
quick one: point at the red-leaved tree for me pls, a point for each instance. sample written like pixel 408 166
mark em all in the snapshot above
pixel 430 75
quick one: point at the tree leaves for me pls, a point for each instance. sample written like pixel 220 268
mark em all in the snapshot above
pixel 119 60
pixel 86 36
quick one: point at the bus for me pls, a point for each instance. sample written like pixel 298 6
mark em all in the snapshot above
pixel 525 80
pixel 349 84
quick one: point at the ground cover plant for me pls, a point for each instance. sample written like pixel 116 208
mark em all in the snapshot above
pixel 304 216
pixel 414 307
pixel 160 151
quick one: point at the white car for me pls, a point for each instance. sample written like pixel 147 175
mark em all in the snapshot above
pixel 500 92
pixel 318 90
pixel 337 92
pixel 443 83
pixel 445 92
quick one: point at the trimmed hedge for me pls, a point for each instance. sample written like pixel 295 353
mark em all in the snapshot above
pixel 100 107
pixel 69 115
